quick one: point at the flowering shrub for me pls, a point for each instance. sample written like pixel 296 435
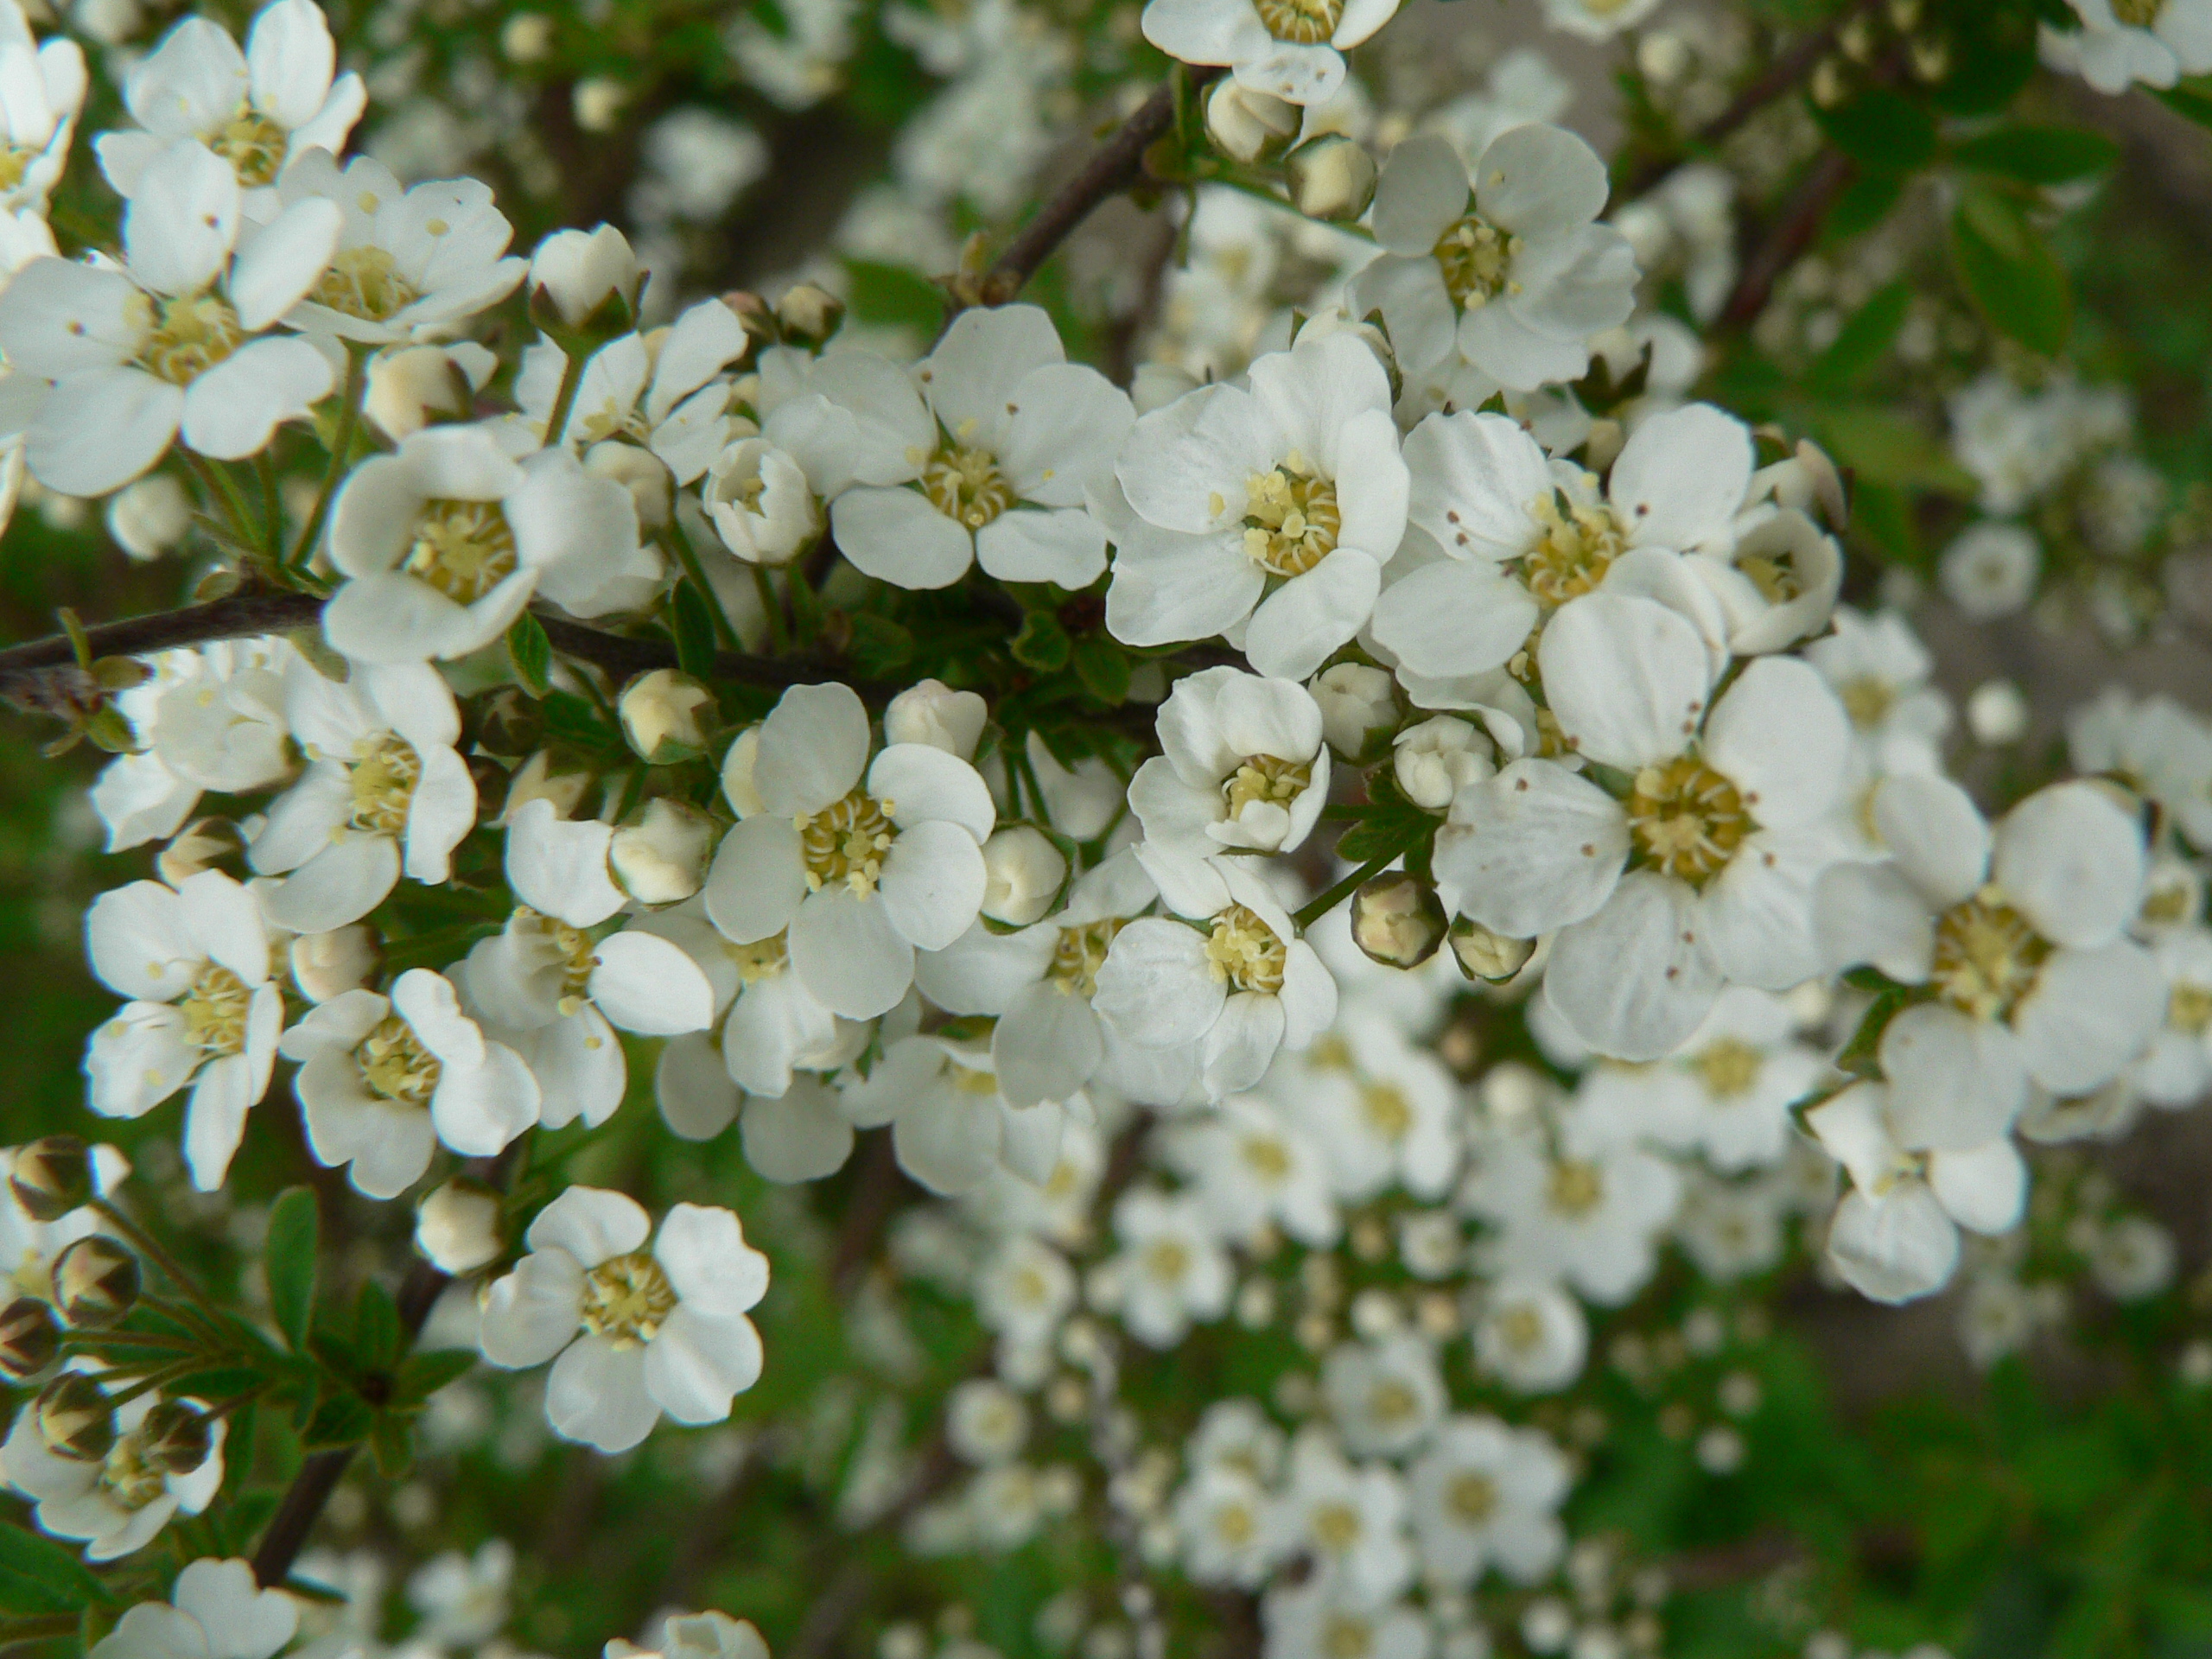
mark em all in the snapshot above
pixel 1122 831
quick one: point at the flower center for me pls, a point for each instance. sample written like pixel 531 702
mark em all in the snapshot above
pixel 1167 1261
pixel 1575 1188
pixel 1867 700
pixel 1986 956
pixel 844 843
pixel 1265 778
pixel 395 1063
pixel 966 485
pixel 1391 1402
pixel 1521 1329
pixel 1473 1498
pixel 214 1011
pixel 1477 255
pixel 1687 819
pixel 1348 1636
pixel 1386 1109
pixel 578 958
pixel 1243 950
pixel 254 144
pixel 1266 1158
pixel 1729 1067
pixel 463 548
pixel 2138 14
pixel 626 1299
pixel 1234 1524
pixel 1079 955
pixel 1306 22
pixel 1579 545
pixel 1777 579
pixel 384 784
pixel 14 162
pixel 364 282
pixel 1335 1527
pixel 2190 1008
pixel 192 333
pixel 1291 518
pixel 127 1479
pixel 762 959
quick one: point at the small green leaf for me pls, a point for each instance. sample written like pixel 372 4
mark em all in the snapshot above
pixel 288 1256
pixel 376 1337
pixel 532 653
pixel 1881 129
pixel 1863 340
pixel 392 1444
pixel 1865 203
pixel 1103 669
pixel 1860 1056
pixel 1042 644
pixel 423 1375
pixel 343 1419
pixel 879 645
pixel 39 1576
pixel 569 718
pixel 2189 100
pixel 310 1590
pixel 1882 446
pixel 1389 826
pixel 2008 272
pixel 2038 154
pixel 692 621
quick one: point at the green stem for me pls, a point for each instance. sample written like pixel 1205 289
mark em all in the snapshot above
pixel 771 607
pixel 150 1247
pixel 356 377
pixel 217 487
pixel 1328 901
pixel 272 511
pixel 686 556
pixel 152 1381
pixel 572 377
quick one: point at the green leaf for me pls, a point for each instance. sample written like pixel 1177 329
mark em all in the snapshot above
pixel 1865 203
pixel 1863 340
pixel 288 1256
pixel 1881 129
pixel 2009 273
pixel 1883 447
pixel 423 1375
pixel 377 1339
pixel 1389 827
pixel 2038 154
pixel 571 718
pixel 391 1442
pixel 532 653
pixel 39 1576
pixel 343 1419
pixel 311 1590
pixel 2190 101
pixel 1042 644
pixel 692 621
pixel 880 646
pixel 1103 669
pixel 1860 1056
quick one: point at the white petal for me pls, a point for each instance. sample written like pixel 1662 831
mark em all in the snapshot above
pixel 813 748
pixel 1156 985
pixel 596 1394
pixel 1453 617
pixel 1680 478
pixel 96 431
pixel 2071 861
pixel 1937 836
pixel 1474 478
pixel 1635 980
pixel 849 954
pixel 233 409
pixel 708 1261
pixel 1953 1082
pixel 1782 737
pixel 1984 1188
pixel 757 881
pixel 920 782
pixel 1298 626
pixel 696 1363
pixel 1067 546
pixel 1421 194
pixel 179 227
pixel 1539 178
pixel 274 270
pixel 1046 1046
pixel 897 536
pixel 532 1314
pixel 1895 1248
pixel 340 884
pixel 1533 848
pixel 798 1137
pixel 932 884
pixel 557 866
pixel 1626 678
pixel 591 1225
pixel 2091 1012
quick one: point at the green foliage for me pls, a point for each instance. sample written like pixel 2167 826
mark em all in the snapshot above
pixel 289 1259
pixel 2009 271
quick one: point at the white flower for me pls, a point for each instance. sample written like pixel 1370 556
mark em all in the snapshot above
pixel 1322 1618
pixel 196 963
pixel 698 1635
pixel 1990 570
pixel 999 447
pixel 861 873
pixel 1597 20
pixel 985 1421
pixel 1703 875
pixel 1485 497
pixel 1730 1229
pixel 774 1026
pixel 637 1332
pixel 1485 1494
pixel 2018 933
pixel 215 1611
pixel 2154 745
pixel 1237 1435
pixel 578 271
pixel 1228 1528
pixel 258 109
pixel 1236 979
pixel 164 343
pixel 1173 1272
pixel 1023 873
pixel 1290 49
pixel 1383 1111
pixel 762 503
pixel 117 1504
pixel 663 391
pixel 2179 1067
pixel 1266 514
pixel 1023 1291
pixel 384 790
pixel 1433 761
pixel 210 719
pixel 1532 1336
pixel 462 1600
pixel 1241 766
pixel 1880 672
pixel 931 712
pixel 446 539
pixel 383 1080
pixel 1350 1516
pixel 44 91
pixel 951 1123
pixel 409 261
pixel 1594 1216
pixel 1896 1234
pixel 1511 272
pixel 2152 42
pixel 1384 1396
pixel 1253 1168
pixel 1358 703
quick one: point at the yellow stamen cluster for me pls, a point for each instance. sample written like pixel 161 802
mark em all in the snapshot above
pixel 2190 1008
pixel 1477 258
pixel 1265 778
pixel 1868 700
pixel 1729 1068
pixel 1472 1497
pixel 965 485
pixel 214 1011
pixel 843 844
pixel 191 334
pixel 1575 1188
pixel 395 1063
pixel 253 145
pixel 127 1479
pixel 1387 1110
pixel 2138 14
pixel 364 282
pixel 1987 957
pixel 1243 952
pixel 1306 22
pixel 463 548
pixel 1687 820
pixel 1291 518
pixel 626 1299
pixel 1579 542
pixel 1080 953
pixel 384 783
pixel 762 959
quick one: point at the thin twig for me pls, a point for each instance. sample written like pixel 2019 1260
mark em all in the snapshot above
pixel 1790 237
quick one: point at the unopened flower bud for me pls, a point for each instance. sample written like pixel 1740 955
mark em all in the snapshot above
pixel 932 712
pixel 1397 919
pixel 1022 872
pixel 52 1177
pixel 409 389
pixel 737 774
pixel 151 517
pixel 325 965
pixel 1248 126
pixel 597 101
pixel 1434 760
pixel 457 1227
pixel 578 277
pixel 536 780
pixel 29 1338
pixel 666 714
pixel 175 1438
pixel 661 857
pixel 95 1282
pixel 808 315
pixel 203 844
pixel 1482 954
pixel 640 472
pixel 1359 708
pixel 73 1418
pixel 1333 177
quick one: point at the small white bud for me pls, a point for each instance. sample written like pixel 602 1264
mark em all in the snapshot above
pixel 640 472
pixel 1330 178
pixel 1248 126
pixel 737 774
pixel 1997 714
pixel 325 965
pixel 536 780
pixel 407 388
pixel 762 505
pixel 662 858
pixel 151 517
pixel 1022 872
pixel 578 271
pixel 808 315
pixel 598 102
pixel 932 712
pixel 527 36
pixel 1359 703
pixel 458 1227
pixel 1434 760
pixel 203 844
pixel 666 714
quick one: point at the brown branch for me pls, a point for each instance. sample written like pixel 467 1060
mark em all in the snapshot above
pixel 1790 236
